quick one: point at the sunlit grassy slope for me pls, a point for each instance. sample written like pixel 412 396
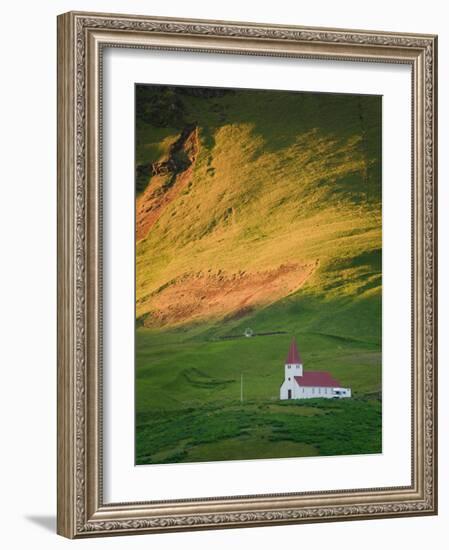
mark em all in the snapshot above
pixel 280 178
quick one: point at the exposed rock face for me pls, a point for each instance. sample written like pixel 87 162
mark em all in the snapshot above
pixel 182 154
pixel 168 178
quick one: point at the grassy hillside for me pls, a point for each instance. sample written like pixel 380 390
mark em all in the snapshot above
pixel 256 209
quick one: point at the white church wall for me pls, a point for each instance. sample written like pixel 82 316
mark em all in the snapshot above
pixel 292 370
pixel 311 392
pixel 314 392
pixel 287 385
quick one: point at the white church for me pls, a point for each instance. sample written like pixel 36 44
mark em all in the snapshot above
pixel 299 384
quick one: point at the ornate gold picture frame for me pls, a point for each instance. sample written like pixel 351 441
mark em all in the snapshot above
pixel 82 40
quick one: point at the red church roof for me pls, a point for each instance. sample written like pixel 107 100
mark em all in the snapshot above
pixel 317 379
pixel 293 357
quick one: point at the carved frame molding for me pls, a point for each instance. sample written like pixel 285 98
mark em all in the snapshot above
pixel 81 39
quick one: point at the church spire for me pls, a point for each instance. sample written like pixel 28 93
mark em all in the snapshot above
pixel 293 357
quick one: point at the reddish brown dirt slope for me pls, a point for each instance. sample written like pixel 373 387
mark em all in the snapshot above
pixel 168 178
pixel 195 296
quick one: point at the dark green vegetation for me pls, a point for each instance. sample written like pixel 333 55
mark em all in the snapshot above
pixel 260 430
pixel 279 178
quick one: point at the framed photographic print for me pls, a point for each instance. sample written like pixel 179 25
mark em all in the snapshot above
pixel 246 274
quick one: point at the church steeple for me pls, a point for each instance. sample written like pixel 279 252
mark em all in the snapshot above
pixel 293 363
pixel 293 357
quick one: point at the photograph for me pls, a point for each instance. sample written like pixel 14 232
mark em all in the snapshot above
pixel 258 274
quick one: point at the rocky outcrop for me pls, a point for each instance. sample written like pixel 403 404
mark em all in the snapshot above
pixel 167 178
pixel 182 154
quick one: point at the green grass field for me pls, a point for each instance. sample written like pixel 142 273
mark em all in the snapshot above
pixel 279 178
pixel 188 385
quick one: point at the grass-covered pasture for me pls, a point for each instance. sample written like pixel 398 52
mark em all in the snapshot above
pixel 188 398
pixel 260 429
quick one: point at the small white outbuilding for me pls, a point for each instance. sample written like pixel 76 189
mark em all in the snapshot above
pixel 299 384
